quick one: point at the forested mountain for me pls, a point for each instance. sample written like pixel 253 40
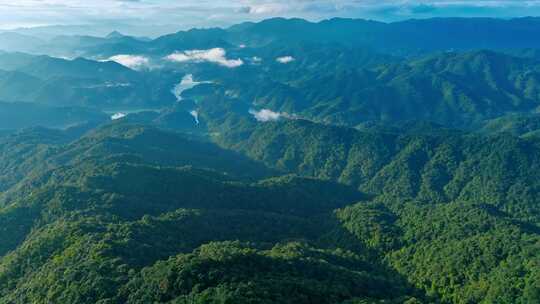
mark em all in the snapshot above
pixel 81 82
pixel 324 82
pixel 431 168
pixel 517 125
pixel 406 37
pixel 101 195
pixel 283 209
pixel 399 38
pixel 341 162
pixel 454 89
pixel 24 115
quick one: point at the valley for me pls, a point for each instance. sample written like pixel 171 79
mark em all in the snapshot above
pixel 283 161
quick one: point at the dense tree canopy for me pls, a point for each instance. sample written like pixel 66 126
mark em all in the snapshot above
pixel 132 214
pixel 275 162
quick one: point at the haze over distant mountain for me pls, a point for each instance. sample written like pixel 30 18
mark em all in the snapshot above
pixel 401 38
pixel 284 161
pixel 345 79
pixel 158 17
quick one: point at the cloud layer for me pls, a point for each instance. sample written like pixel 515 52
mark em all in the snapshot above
pixel 266 115
pixel 165 14
pixel 131 61
pixel 215 55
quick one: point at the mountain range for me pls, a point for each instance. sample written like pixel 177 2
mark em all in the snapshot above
pixel 345 161
pixel 400 38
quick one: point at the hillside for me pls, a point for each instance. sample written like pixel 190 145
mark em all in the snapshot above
pixel 25 115
pixel 124 207
pixel 324 82
pixel 344 161
pixel 454 89
pixel 72 209
pixel 82 82
pixel 405 38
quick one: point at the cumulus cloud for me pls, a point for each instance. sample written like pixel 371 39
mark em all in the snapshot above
pixel 117 116
pixel 131 61
pixel 266 115
pixel 215 55
pixel 285 59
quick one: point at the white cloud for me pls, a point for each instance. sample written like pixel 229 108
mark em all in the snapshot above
pixel 266 115
pixel 269 8
pixel 131 61
pixel 285 59
pixel 186 83
pixel 195 115
pixel 117 116
pixel 143 15
pixel 215 55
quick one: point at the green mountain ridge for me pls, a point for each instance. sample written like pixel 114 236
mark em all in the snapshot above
pixel 91 222
pixel 377 163
pixel 82 82
pixel 27 115
pixel 456 90
pixel 118 191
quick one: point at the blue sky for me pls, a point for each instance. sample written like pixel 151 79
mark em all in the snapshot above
pixel 182 14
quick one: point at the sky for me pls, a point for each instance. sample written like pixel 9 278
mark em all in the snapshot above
pixel 153 17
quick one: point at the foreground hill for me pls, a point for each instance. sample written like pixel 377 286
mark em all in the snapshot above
pixel 80 232
pixel 444 199
pixel 132 214
pixel 517 125
pixel 434 168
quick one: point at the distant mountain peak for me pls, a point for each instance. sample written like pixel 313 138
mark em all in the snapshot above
pixel 115 34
